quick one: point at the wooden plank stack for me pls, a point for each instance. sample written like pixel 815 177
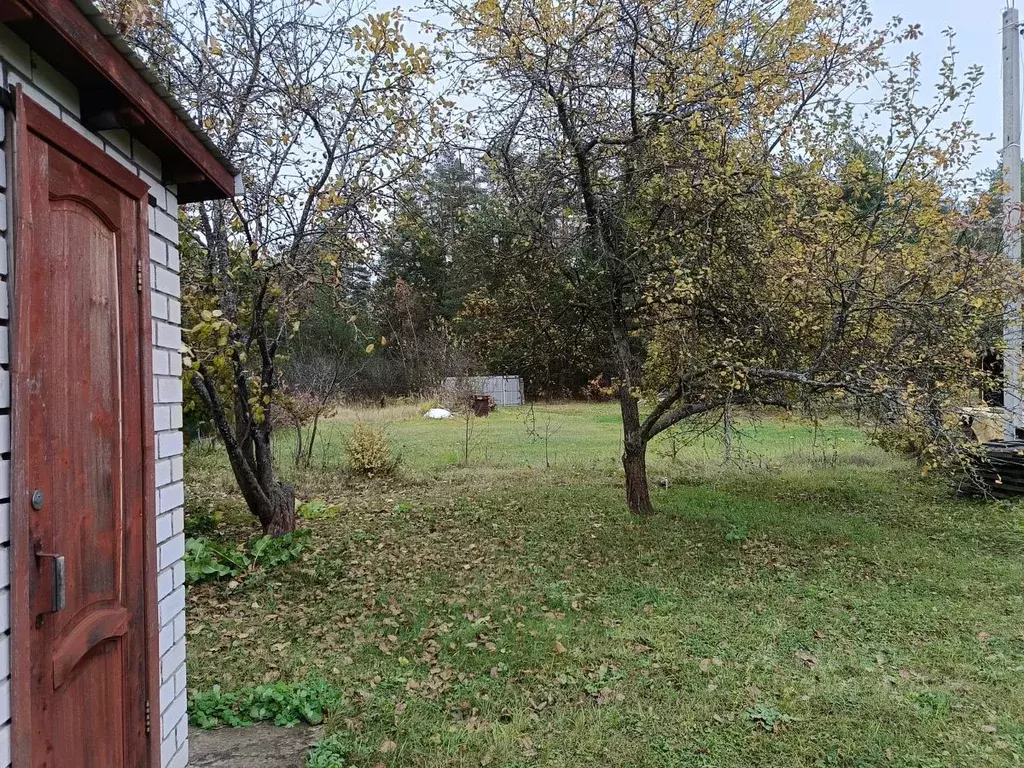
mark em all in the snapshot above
pixel 998 471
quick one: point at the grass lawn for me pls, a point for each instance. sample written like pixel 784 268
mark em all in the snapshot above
pixel 819 605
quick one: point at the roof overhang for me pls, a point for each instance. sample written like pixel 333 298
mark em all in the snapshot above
pixel 117 90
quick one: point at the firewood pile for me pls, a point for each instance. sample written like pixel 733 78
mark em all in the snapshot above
pixel 997 471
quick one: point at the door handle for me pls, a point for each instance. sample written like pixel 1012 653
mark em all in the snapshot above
pixel 59 598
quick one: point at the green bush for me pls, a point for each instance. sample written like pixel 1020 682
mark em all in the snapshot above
pixel 281 703
pixel 369 451
pixel 207 560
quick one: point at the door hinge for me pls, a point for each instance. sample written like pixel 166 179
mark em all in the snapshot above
pixel 149 718
pixel 138 275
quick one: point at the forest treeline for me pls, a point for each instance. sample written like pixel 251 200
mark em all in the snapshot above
pixel 453 291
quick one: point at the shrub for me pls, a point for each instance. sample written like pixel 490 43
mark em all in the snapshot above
pixel 599 392
pixel 281 703
pixel 369 451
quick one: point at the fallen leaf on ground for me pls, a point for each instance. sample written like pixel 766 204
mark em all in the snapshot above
pixel 809 659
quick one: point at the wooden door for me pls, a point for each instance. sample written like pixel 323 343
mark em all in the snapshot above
pixel 82 454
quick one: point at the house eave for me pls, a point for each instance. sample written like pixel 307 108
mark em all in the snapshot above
pixel 117 90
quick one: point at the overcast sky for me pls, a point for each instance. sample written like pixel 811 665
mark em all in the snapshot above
pixel 978 25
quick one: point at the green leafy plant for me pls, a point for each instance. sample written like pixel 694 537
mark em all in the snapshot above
pixel 283 704
pixel 329 752
pixel 318 509
pixel 207 560
pixel 599 682
pixel 736 533
pixel 369 451
pixel 931 703
pixel 767 718
pixel 270 551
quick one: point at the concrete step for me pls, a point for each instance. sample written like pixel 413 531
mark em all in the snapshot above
pixel 258 746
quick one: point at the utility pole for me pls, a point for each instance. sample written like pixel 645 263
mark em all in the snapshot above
pixel 1012 330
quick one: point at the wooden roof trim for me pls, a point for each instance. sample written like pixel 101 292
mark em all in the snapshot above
pixel 82 35
pixel 46 125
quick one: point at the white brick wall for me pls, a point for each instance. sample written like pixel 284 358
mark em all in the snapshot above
pixel 44 84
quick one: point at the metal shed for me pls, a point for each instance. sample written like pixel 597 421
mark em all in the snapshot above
pixel 505 390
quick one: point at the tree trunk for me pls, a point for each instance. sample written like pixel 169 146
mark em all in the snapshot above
pixel 634 456
pixel 271 501
pixel 638 494
pixel 276 511
pixel 298 443
pixel 312 439
pixel 279 516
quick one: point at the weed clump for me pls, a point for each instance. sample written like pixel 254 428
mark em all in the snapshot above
pixel 209 560
pixel 283 704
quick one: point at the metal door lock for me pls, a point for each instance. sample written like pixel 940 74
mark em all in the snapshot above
pixel 59 598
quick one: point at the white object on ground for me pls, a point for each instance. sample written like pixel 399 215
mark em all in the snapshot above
pixel 437 413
